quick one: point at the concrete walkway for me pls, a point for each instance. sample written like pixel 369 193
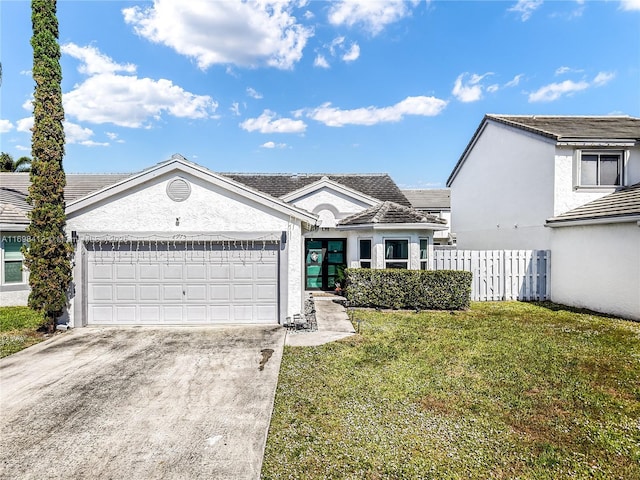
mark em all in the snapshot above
pixel 333 323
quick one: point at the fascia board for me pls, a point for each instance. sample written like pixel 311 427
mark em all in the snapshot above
pixel 196 171
pixel 591 221
pixel 394 226
pixel 325 182
pixel 13 227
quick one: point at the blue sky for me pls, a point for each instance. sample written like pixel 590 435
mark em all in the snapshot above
pixel 315 86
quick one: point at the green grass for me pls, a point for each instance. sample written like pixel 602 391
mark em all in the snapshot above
pixel 19 329
pixel 504 390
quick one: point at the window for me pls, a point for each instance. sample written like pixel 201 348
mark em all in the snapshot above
pixel 12 260
pixel 424 254
pixel 365 253
pixel 600 168
pixel 396 253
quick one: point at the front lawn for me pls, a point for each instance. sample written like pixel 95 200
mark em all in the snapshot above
pixel 504 390
pixel 19 329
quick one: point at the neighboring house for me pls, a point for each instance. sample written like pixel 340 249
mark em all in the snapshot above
pixel 596 254
pixel 434 201
pixel 178 243
pixel 518 171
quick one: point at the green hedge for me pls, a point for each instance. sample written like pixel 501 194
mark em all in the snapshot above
pixel 408 289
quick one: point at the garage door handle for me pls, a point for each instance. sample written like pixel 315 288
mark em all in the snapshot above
pixel 183 292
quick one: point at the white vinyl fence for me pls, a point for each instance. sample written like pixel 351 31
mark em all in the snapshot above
pixel 501 274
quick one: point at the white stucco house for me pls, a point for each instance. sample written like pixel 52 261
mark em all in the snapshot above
pixel 180 244
pixel 596 254
pixel 519 170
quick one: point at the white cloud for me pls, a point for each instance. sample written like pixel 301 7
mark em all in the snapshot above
pixel 92 62
pixel 564 70
pixel 5 126
pixel 630 4
pixel 273 145
pixel 24 125
pixel 114 137
pixel 515 81
pixel 352 54
pixel 241 33
pixel 554 91
pixel 335 117
pixel 23 148
pixel 493 88
pixel 373 15
pixel 603 78
pixel 126 100
pixel 74 133
pixel 253 93
pixel 525 8
pixel 321 62
pixel 235 108
pixel 468 90
pixel 267 123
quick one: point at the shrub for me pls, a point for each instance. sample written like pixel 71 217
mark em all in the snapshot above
pixel 414 289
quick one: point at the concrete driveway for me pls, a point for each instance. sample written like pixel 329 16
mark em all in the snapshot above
pixel 140 403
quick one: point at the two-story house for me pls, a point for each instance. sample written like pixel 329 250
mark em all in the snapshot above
pixel 518 171
pixel 568 184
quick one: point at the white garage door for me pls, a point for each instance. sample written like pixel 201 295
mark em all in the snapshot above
pixel 135 283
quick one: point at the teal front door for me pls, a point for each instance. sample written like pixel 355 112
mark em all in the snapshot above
pixel 323 260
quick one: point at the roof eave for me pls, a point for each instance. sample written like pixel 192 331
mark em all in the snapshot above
pixel 575 222
pixel 393 226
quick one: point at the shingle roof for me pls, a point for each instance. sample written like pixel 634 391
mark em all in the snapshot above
pixel 567 128
pixel 618 205
pixel 14 188
pixel 389 212
pixel 429 199
pixel 575 127
pixel 379 186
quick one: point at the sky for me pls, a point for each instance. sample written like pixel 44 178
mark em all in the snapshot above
pixel 299 86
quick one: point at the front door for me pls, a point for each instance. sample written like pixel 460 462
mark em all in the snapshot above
pixel 325 259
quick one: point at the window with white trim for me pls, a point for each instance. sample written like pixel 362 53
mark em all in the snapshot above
pixel 600 168
pixel 12 260
pixel 424 254
pixel 364 252
pixel 396 253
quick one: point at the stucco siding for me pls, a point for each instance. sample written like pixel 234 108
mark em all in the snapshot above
pixel 15 298
pixel 342 204
pixel 149 208
pixel 209 209
pixel 597 267
pixel 503 193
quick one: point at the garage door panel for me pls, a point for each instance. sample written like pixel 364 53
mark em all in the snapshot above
pixel 101 313
pixel 125 314
pixel 196 313
pixel 243 292
pixel 101 293
pixel 149 272
pixel 220 293
pixel 219 272
pixel 149 293
pixel 125 272
pixel 196 272
pixel 197 293
pixel 125 293
pixel 99 271
pixel 265 292
pixel 242 313
pixel 172 272
pixel 242 272
pixel 150 314
pixel 133 284
pixel 172 293
pixel 172 313
pixel 264 313
pixel 266 271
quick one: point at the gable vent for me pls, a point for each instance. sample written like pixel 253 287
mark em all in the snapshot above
pixel 178 190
